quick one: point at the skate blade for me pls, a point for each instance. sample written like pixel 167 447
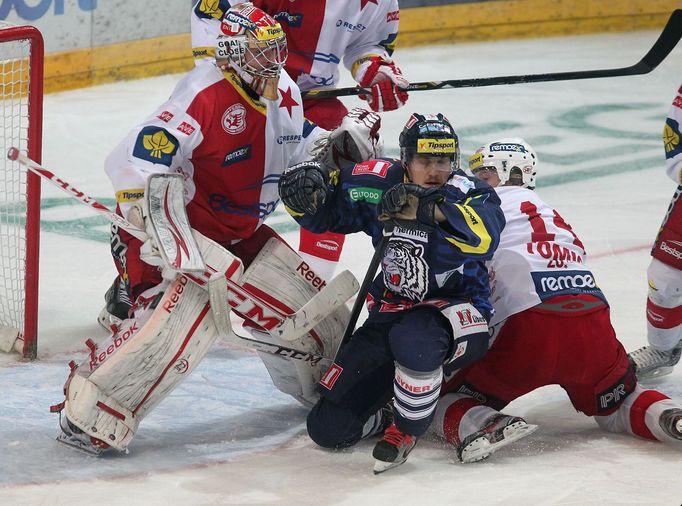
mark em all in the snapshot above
pixel 654 373
pixel 380 466
pixel 481 448
pixel 79 445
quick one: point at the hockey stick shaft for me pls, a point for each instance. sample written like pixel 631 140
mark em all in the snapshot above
pixel 295 324
pixel 666 42
pixel 364 287
pixel 83 198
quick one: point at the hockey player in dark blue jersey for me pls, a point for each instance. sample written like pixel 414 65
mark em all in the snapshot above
pixel 428 308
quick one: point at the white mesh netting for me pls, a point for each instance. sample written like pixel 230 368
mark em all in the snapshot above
pixel 14 121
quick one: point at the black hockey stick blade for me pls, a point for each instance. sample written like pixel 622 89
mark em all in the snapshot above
pixel 670 36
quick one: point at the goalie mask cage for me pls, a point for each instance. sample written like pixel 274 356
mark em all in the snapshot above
pixel 21 96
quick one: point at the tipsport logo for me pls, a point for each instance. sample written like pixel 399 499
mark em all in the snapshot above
pixel 31 13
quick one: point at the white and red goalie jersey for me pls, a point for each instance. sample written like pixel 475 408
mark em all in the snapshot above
pixel 671 139
pixel 539 256
pixel 229 145
pixel 320 33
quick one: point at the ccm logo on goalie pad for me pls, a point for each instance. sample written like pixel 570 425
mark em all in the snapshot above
pixel 331 376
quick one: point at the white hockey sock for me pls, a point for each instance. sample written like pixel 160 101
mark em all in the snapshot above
pixel 460 415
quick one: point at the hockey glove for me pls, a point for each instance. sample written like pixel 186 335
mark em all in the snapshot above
pixel 411 202
pixel 149 250
pixel 387 83
pixel 303 187
pixel 355 140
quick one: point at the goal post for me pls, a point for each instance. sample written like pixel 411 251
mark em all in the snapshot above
pixel 21 99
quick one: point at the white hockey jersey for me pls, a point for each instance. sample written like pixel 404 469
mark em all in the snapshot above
pixel 671 140
pixel 539 256
pixel 320 33
pixel 230 146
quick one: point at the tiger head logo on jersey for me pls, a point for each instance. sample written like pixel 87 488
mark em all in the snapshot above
pixel 405 269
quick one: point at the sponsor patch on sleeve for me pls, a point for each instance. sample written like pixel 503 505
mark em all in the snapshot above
pixel 129 195
pixel 156 145
pixel 671 138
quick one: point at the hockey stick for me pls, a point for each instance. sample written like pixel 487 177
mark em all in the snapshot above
pixel 670 36
pixel 265 314
pixel 364 287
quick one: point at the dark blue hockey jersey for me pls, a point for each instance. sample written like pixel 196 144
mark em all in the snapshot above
pixel 441 266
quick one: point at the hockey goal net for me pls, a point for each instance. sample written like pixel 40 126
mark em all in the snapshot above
pixel 21 99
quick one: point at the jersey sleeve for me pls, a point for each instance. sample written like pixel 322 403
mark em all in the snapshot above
pixel 377 39
pixel 671 139
pixel 161 144
pixel 352 198
pixel 474 218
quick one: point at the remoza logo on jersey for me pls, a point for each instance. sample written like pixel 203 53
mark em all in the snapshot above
pixel 238 155
pixel 156 145
pixel 549 284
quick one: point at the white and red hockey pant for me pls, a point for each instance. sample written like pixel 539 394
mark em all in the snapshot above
pixel 639 415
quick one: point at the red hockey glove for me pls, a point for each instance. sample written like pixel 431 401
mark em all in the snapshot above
pixel 387 83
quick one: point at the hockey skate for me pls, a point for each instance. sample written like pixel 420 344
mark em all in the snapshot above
pixel 499 431
pixel 392 450
pixel 117 305
pixel 651 363
pixel 671 423
pixel 73 437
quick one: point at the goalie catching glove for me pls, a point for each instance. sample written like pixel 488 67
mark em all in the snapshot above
pixel 409 201
pixel 356 139
pixel 389 87
pixel 303 187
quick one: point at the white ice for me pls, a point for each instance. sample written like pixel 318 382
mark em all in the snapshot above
pixel 226 436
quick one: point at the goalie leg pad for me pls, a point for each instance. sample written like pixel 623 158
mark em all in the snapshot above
pixel 137 367
pixel 280 277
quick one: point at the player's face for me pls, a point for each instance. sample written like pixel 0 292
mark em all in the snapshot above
pixel 265 59
pixel 429 171
pixel 487 174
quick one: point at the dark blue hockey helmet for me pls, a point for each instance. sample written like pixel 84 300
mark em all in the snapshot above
pixel 429 134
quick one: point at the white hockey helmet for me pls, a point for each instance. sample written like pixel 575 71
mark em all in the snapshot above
pixel 512 158
pixel 252 43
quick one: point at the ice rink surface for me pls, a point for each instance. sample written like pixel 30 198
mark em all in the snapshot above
pixel 226 436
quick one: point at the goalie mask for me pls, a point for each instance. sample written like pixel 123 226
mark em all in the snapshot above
pixel 253 44
pixel 512 159
pixel 429 135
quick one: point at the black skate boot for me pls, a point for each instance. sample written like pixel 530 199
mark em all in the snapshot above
pixel 393 449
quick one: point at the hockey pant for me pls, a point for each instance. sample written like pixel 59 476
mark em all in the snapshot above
pixel 577 349
pixel 402 358
pixel 664 302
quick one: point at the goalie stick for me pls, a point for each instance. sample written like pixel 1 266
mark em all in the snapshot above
pixel 285 326
pixel 666 42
